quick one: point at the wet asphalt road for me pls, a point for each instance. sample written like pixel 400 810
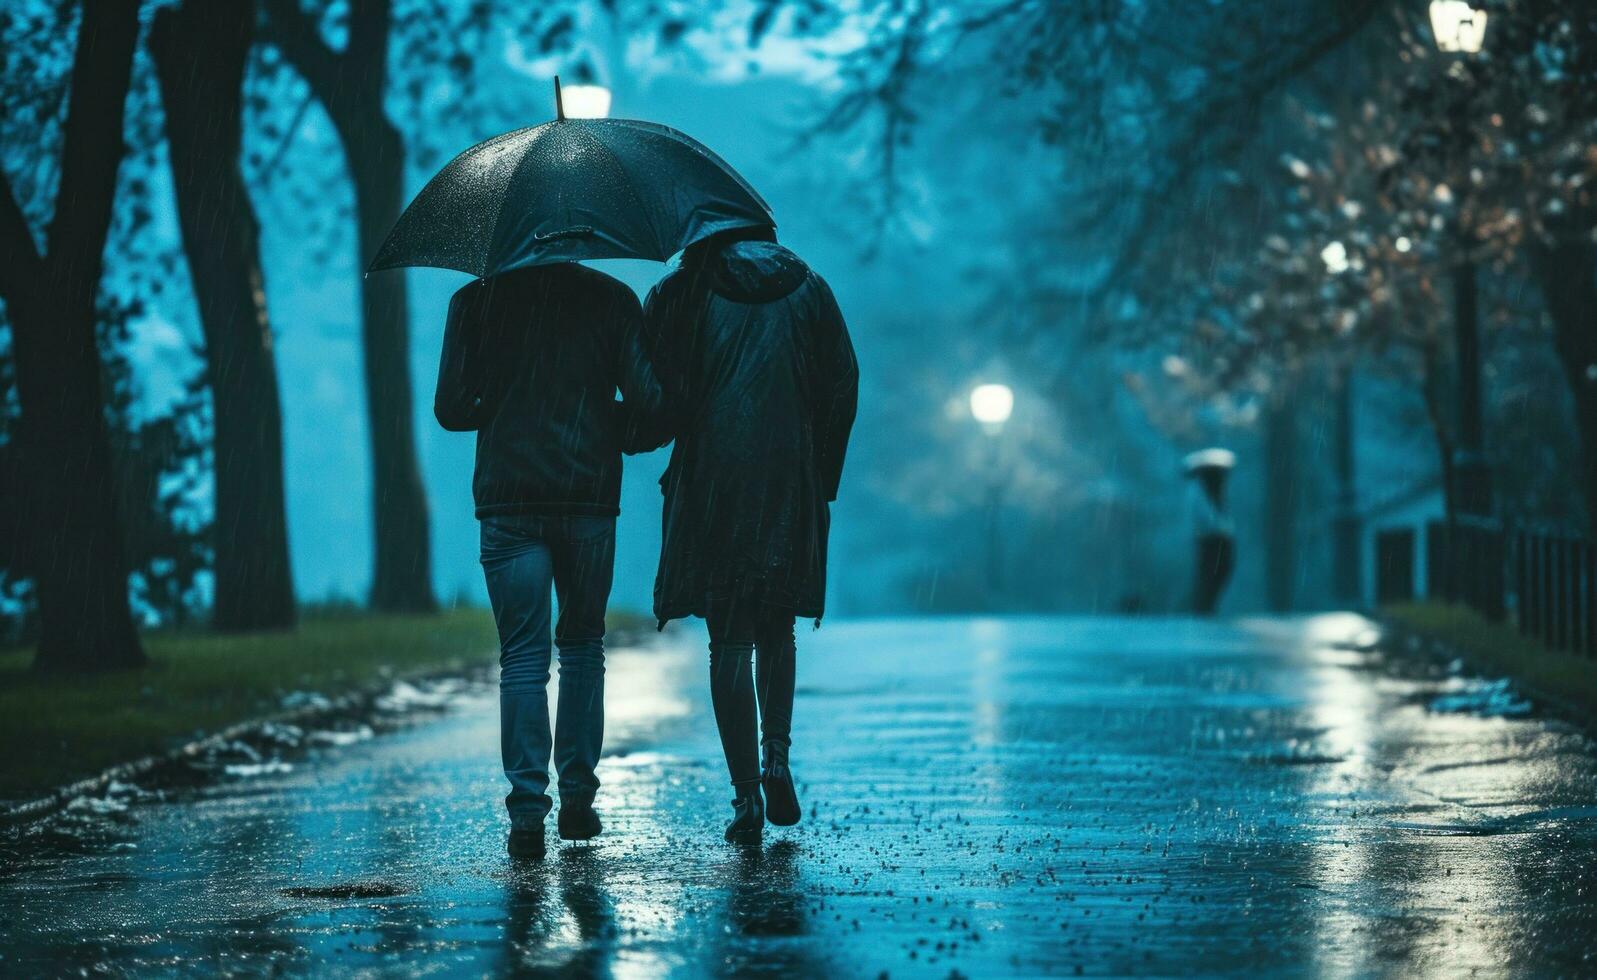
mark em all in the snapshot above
pixel 984 798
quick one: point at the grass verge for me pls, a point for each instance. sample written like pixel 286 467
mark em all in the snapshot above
pixel 1568 680
pixel 58 729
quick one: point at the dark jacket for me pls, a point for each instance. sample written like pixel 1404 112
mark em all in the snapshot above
pixel 761 380
pixel 532 360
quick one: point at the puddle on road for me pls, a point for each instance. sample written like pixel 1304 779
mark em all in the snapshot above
pixel 1296 759
pixel 346 890
pixel 1486 698
pixel 1533 821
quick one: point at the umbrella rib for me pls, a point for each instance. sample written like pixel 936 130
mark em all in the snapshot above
pixel 660 129
pixel 443 178
pixel 534 134
pixel 631 189
pixel 504 195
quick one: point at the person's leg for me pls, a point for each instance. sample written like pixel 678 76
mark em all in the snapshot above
pixel 774 663
pixel 1225 564
pixel 732 695
pixel 584 564
pixel 516 564
pixel 732 688
pixel 774 677
pixel 1205 591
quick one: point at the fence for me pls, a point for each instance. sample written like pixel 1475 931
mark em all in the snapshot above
pixel 1545 583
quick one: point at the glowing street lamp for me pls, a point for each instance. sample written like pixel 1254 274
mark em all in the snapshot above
pixel 585 100
pixel 1335 258
pixel 1457 26
pixel 991 405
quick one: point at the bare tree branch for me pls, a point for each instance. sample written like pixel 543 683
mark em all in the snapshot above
pixel 367 51
pixel 264 178
pixel 1095 53
pixel 19 255
pixel 92 147
pixel 293 32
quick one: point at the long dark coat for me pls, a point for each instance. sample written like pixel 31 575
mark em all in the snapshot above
pixel 762 382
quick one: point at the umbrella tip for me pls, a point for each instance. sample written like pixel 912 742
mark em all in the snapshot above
pixel 560 106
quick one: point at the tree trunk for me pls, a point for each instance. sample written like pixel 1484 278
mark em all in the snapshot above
pixel 1432 393
pixel 351 84
pixel 1347 549
pixel 62 438
pixel 1567 273
pixel 86 623
pixel 402 574
pixel 200 50
pixel 1280 505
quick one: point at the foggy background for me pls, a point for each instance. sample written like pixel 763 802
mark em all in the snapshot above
pixel 910 526
pixel 959 214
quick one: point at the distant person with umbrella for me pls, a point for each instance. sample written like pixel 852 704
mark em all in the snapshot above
pixel 760 375
pixel 534 353
pixel 1214 532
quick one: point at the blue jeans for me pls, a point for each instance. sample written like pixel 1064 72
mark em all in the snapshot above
pixel 521 557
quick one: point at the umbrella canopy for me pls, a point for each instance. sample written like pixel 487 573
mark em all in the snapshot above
pixel 1210 459
pixel 567 190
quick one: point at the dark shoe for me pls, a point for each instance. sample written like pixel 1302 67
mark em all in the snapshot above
pixel 748 815
pixel 781 798
pixel 578 821
pixel 527 844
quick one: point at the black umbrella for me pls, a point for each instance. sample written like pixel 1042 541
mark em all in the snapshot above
pixel 567 190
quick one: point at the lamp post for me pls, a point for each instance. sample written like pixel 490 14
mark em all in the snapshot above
pixel 1347 553
pixel 991 405
pixel 1461 29
pixel 1346 529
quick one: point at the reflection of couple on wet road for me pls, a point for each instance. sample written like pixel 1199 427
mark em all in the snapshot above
pixel 562 918
pixel 740 356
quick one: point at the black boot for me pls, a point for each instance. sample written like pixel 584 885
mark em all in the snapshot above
pixel 748 814
pixel 526 845
pixel 781 797
pixel 578 821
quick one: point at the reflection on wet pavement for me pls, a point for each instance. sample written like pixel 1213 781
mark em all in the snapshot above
pixel 991 797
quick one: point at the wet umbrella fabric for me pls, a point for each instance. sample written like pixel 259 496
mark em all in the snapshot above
pixel 568 190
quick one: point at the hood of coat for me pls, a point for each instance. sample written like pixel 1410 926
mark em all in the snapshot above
pixel 755 272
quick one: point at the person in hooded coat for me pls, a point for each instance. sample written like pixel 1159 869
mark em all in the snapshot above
pixel 1214 531
pixel 761 382
pixel 532 360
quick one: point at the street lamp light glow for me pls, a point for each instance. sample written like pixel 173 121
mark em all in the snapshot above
pixel 1335 258
pixel 1457 26
pixel 586 101
pixel 992 404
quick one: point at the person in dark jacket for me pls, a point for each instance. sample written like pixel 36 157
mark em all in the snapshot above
pixel 1214 531
pixel 761 381
pixel 532 360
